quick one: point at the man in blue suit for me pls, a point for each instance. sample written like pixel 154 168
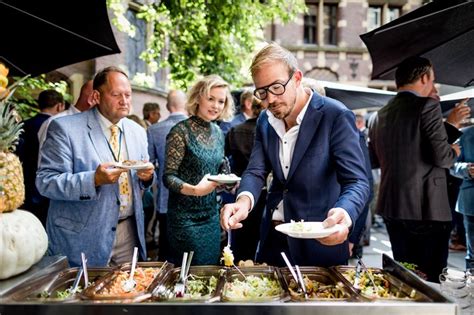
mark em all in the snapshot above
pixel 95 207
pixel 176 105
pixel 464 168
pixel 312 146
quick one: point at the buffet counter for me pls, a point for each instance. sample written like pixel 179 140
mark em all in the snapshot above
pixel 435 303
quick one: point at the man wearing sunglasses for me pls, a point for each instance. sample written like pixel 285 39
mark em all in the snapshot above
pixel 311 145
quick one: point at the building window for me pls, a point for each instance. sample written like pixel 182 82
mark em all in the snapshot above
pixel 310 25
pixel 330 24
pixel 378 15
pixel 374 17
pixel 324 20
pixel 135 45
pixel 393 13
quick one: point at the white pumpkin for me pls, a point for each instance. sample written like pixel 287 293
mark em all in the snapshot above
pixel 23 242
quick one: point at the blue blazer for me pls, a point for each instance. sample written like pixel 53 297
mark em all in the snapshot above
pixel 82 217
pixel 327 170
pixel 465 204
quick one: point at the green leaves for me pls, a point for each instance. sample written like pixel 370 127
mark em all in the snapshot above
pixel 198 37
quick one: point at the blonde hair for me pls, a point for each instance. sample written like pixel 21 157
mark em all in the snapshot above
pixel 202 88
pixel 273 53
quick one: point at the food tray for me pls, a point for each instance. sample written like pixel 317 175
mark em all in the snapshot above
pixel 99 291
pixel 50 288
pixel 396 290
pixel 164 291
pixel 244 293
pixel 321 280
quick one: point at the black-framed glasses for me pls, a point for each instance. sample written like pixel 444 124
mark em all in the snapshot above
pixel 275 89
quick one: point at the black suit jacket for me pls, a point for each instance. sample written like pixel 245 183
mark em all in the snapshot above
pixel 28 154
pixel 239 143
pixel 409 142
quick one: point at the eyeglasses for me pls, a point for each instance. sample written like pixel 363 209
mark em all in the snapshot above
pixel 275 89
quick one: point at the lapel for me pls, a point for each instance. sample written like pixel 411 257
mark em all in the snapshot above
pixel 274 151
pixel 308 128
pixel 98 138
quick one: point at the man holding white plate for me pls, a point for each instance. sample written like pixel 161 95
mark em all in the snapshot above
pixel 92 169
pixel 312 146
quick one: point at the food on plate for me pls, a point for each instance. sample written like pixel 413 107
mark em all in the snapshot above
pixel 252 287
pixel 316 289
pixel 132 162
pixel 142 276
pixel 299 226
pixel 249 263
pixel 227 256
pixel 382 289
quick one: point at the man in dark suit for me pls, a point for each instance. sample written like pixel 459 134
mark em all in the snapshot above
pixel 409 142
pixel 238 146
pixel 50 103
pixel 311 144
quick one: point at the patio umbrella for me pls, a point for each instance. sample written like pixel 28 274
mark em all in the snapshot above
pixel 442 31
pixel 357 97
pixel 41 36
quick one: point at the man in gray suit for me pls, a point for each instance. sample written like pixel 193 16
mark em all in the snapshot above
pixel 96 208
pixel 157 133
pixel 409 142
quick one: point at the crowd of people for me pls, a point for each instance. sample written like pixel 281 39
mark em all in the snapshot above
pixel 300 156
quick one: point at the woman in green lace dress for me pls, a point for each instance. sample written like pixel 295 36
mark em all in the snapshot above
pixel 194 150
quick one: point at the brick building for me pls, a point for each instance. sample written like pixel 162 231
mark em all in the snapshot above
pixel 326 40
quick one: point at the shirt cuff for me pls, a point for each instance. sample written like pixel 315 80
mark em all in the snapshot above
pixel 248 194
pixel 348 220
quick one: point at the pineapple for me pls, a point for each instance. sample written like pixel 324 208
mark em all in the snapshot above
pixel 12 189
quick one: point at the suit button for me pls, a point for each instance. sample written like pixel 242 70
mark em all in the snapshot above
pixel 113 229
pixel 285 191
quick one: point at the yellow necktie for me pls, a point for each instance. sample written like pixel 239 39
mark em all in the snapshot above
pixel 123 180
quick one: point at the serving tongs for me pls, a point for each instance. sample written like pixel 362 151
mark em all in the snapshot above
pixel 82 271
pixel 129 284
pixel 360 265
pixel 296 275
pixel 180 286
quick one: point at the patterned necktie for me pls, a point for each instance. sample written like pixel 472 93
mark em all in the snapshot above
pixel 123 180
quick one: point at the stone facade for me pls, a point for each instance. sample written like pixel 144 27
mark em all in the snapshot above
pixel 348 61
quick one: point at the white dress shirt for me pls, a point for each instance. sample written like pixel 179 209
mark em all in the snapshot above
pixel 287 141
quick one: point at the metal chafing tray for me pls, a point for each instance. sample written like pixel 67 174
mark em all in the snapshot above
pixel 97 292
pixel 324 279
pixel 390 289
pixel 209 276
pixel 232 292
pixel 46 266
pixel 53 288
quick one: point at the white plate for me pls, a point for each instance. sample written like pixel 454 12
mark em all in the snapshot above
pixel 310 230
pixel 139 166
pixel 224 179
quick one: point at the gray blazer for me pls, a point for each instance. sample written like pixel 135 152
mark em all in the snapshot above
pixel 82 217
pixel 409 143
pixel 156 148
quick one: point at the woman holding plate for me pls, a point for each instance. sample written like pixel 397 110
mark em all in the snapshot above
pixel 194 150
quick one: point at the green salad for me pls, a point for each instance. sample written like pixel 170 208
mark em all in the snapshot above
pixel 253 287
pixel 200 287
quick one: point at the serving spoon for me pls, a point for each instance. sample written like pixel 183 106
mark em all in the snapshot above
pixel 129 285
